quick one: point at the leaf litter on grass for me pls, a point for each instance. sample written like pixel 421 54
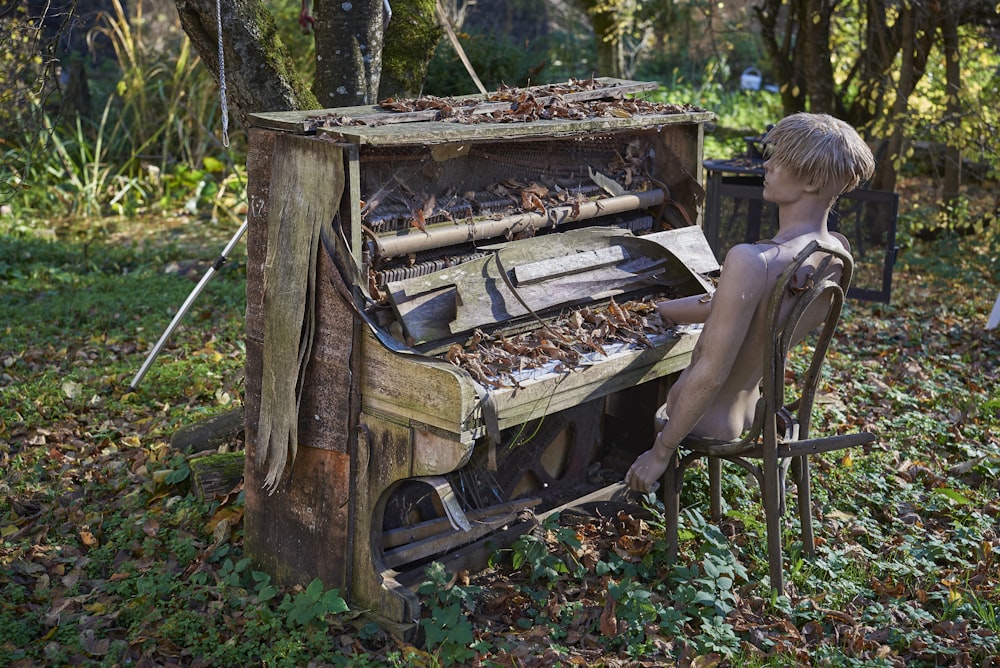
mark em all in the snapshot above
pixel 102 561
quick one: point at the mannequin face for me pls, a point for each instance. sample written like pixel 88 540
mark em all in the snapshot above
pixel 780 187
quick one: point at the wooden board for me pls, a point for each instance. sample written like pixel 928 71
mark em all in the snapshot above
pixel 417 390
pixel 576 386
pixel 388 127
pixel 437 132
pixel 427 315
pixel 307 120
pixel 531 273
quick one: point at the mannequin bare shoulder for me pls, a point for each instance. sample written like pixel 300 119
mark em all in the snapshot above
pixel 741 265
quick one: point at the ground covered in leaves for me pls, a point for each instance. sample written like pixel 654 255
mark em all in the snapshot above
pixel 107 558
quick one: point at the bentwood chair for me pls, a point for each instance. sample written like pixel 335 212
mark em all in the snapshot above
pixel 780 431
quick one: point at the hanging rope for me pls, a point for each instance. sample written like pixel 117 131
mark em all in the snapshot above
pixel 222 77
pixel 443 18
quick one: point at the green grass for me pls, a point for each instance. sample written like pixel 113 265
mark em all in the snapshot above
pixel 80 316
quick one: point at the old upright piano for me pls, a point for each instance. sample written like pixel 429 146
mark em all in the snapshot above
pixel 450 321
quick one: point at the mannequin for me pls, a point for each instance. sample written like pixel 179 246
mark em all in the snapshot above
pixel 811 159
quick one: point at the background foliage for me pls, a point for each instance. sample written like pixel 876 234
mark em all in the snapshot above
pixel 132 125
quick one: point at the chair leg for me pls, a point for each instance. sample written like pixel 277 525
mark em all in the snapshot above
pixel 671 482
pixel 715 487
pixel 771 497
pixel 782 484
pixel 800 469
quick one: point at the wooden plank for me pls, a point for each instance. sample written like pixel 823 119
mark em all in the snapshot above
pixel 382 456
pixel 442 396
pixel 438 132
pixel 489 303
pixel 425 317
pixel 551 268
pixel 616 491
pixel 554 270
pixel 301 121
pixel 282 531
pixel 408 534
pixel 305 121
pixel 474 557
pixel 485 299
pixel 690 246
pixel 416 389
pixel 446 541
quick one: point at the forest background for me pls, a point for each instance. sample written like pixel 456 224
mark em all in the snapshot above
pixel 117 185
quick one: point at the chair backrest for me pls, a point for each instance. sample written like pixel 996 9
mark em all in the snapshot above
pixel 807 301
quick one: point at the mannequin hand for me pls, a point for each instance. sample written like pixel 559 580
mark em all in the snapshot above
pixel 647 469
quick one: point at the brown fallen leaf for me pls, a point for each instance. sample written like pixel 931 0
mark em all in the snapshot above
pixel 609 619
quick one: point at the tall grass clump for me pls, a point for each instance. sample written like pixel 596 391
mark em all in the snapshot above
pixel 150 145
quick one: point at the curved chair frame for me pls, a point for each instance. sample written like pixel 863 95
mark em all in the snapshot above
pixel 779 434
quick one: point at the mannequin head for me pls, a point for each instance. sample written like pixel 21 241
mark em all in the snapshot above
pixel 820 150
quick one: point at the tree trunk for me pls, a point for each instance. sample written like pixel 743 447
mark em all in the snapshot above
pixel 885 173
pixel 816 59
pixel 258 73
pixel 778 41
pixel 348 51
pixel 610 51
pixel 953 106
pixel 410 40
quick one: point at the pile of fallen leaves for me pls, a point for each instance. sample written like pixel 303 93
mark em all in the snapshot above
pixel 498 360
pixel 522 106
pixel 512 105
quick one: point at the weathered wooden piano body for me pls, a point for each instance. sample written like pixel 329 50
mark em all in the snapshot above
pixel 435 242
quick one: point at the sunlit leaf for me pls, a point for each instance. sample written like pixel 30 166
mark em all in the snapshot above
pixel 953 495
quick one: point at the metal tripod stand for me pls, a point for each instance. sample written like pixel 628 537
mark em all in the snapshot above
pixel 219 261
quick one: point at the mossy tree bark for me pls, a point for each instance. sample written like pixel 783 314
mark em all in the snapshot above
pixel 348 51
pixel 259 74
pixel 410 40
pixel 350 68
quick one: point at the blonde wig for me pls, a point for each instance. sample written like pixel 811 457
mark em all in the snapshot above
pixel 820 150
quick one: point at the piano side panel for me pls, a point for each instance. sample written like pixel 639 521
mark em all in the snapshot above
pixel 302 531
pixel 260 147
pixel 383 455
pixel 679 166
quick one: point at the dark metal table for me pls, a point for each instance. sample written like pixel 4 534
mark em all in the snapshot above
pixel 736 212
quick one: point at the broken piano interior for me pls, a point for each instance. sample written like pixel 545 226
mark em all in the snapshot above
pixel 450 322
